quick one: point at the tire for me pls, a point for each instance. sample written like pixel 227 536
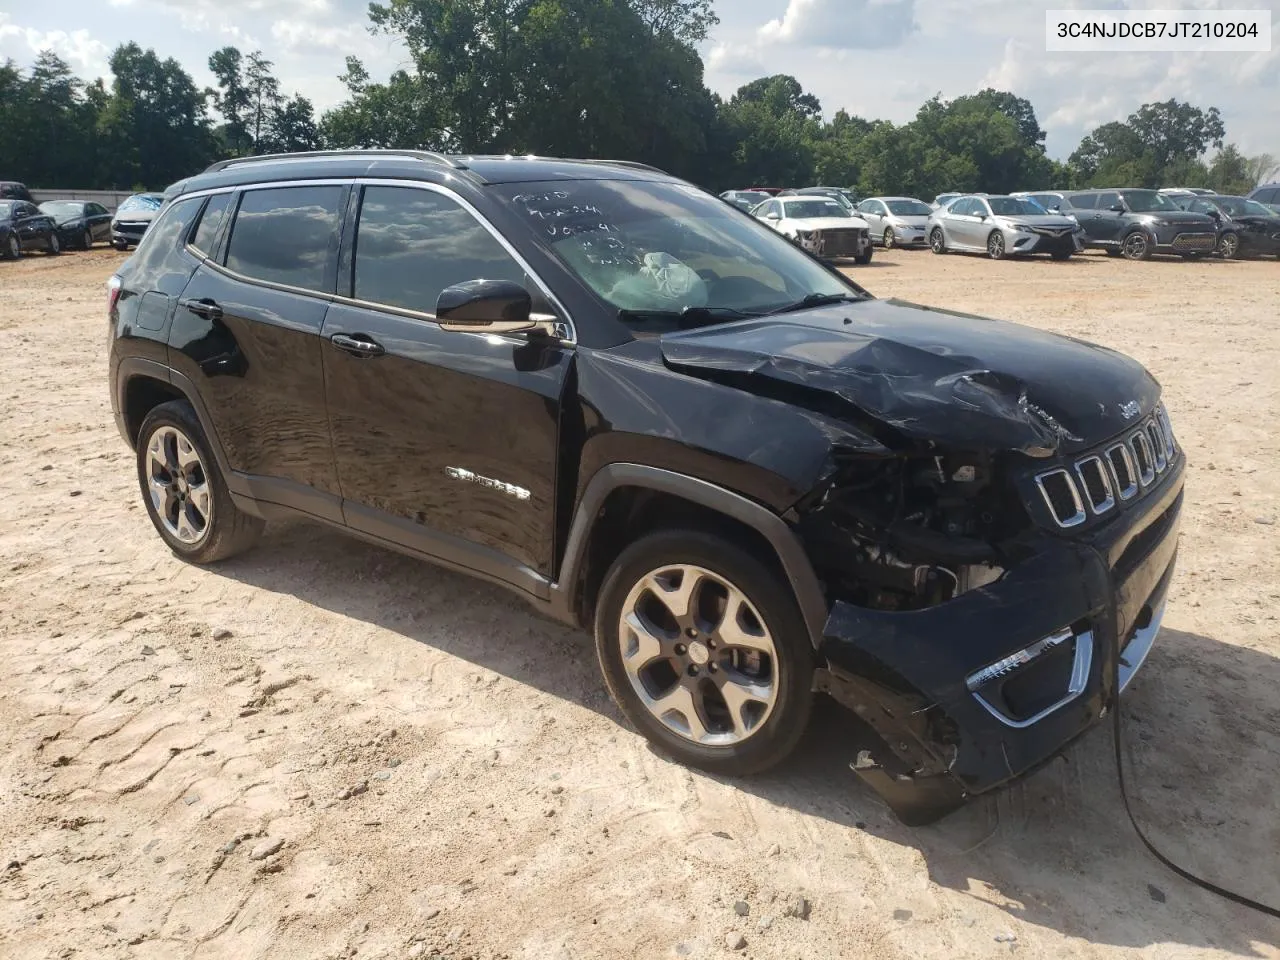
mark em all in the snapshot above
pixel 706 733
pixel 204 525
pixel 1229 246
pixel 12 248
pixel 863 259
pixel 54 245
pixel 86 241
pixel 995 245
pixel 1136 246
pixel 890 238
pixel 1061 255
pixel 120 245
pixel 937 240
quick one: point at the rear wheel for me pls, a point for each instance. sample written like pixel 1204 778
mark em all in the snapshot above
pixel 54 246
pixel 86 241
pixel 995 245
pixel 183 489
pixel 12 249
pixel 937 242
pixel 1136 246
pixel 705 652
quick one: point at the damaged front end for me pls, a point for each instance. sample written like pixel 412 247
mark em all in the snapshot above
pixel 972 640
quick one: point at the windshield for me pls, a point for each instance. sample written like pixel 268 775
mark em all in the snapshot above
pixel 1148 201
pixel 6 210
pixel 752 196
pixel 143 201
pixel 908 208
pixel 654 249
pixel 1015 207
pixel 62 208
pixel 810 209
pixel 1240 207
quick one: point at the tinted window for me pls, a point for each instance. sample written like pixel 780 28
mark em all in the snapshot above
pixel 164 235
pixel 1085 201
pixel 1268 196
pixel 1107 200
pixel 286 235
pixel 411 244
pixel 214 213
pixel 1148 201
pixel 96 209
pixel 964 207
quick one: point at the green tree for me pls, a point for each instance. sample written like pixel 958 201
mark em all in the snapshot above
pixel 774 125
pixel 1160 144
pixel 293 127
pixel 232 99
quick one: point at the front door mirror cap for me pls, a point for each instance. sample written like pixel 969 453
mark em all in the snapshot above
pixel 490 306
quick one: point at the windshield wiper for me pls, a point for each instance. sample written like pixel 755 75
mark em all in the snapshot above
pixel 688 317
pixel 817 300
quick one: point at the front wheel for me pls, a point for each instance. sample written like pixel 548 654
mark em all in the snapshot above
pixel 863 258
pixel 86 241
pixel 890 238
pixel 705 652
pixel 1136 246
pixel 54 246
pixel 1229 246
pixel 120 245
pixel 183 489
pixel 12 249
pixel 937 242
pixel 995 245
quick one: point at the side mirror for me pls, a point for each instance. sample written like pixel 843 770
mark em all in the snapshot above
pixel 1116 208
pixel 773 215
pixel 489 306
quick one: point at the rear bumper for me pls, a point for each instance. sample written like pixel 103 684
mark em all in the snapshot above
pixel 1096 603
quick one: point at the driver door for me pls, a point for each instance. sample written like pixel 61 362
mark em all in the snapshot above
pixel 444 442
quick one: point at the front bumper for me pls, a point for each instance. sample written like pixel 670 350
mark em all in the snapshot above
pixel 905 236
pixel 1103 592
pixel 836 244
pixel 1180 239
pixel 129 233
pixel 1019 242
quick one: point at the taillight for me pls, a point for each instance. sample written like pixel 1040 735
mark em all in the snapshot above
pixel 113 294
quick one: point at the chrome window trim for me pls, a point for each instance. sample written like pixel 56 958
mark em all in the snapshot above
pixel 1080 515
pixel 1081 665
pixel 570 336
pixel 1110 500
pixel 1131 491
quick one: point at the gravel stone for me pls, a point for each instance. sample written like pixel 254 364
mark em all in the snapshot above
pixel 220 633
pixel 354 790
pixel 735 941
pixel 742 908
pixel 797 907
pixel 268 848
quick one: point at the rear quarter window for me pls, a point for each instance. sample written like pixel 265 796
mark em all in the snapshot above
pixel 164 235
pixel 215 212
pixel 287 235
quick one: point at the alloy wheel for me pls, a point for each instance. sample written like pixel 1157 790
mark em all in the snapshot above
pixel 698 655
pixel 179 485
pixel 1135 246
pixel 995 245
pixel 1229 246
pixel 55 245
pixel 890 238
pixel 936 242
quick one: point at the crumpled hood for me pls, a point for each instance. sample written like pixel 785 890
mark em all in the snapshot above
pixel 963 382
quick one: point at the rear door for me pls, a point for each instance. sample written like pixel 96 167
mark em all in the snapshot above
pixel 445 442
pixel 1085 208
pixel 247 333
pixel 962 222
pixel 1109 224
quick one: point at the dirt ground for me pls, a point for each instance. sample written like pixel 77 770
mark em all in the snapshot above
pixel 323 750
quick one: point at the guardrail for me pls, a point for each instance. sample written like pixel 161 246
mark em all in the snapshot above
pixel 108 198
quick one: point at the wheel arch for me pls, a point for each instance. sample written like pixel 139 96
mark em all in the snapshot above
pixel 142 385
pixel 623 501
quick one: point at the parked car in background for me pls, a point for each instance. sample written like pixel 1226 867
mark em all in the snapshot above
pixel 13 190
pixel 1000 226
pixel 744 199
pixel 23 227
pixel 771 191
pixel 81 223
pixel 896 221
pixel 1136 223
pixel 132 218
pixel 1193 191
pixel 942 199
pixel 839 194
pixel 1245 227
pixel 1268 195
pixel 822 225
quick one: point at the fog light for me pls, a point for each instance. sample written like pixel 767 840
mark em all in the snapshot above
pixel 1028 685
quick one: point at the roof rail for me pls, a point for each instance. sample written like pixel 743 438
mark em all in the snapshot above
pixel 634 164
pixel 425 155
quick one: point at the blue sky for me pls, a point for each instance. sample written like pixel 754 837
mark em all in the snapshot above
pixel 875 58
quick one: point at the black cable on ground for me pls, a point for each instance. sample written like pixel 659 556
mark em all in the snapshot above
pixel 1180 871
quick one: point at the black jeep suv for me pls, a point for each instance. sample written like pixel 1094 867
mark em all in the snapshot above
pixel 658 420
pixel 1137 223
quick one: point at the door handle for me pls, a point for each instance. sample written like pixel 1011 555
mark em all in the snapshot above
pixel 358 345
pixel 204 307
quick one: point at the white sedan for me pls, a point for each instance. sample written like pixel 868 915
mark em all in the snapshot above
pixel 821 225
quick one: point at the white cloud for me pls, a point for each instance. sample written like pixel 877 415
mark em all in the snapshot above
pixel 295 35
pixel 84 53
pixel 860 24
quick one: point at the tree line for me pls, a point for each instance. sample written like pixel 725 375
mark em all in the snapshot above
pixel 580 78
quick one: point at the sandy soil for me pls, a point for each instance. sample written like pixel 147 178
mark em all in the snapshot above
pixel 325 750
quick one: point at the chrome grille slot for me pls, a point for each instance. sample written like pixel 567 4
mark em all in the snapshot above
pixel 1060 493
pixel 1095 481
pixel 1157 446
pixel 1170 445
pixel 1141 448
pixel 1122 470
